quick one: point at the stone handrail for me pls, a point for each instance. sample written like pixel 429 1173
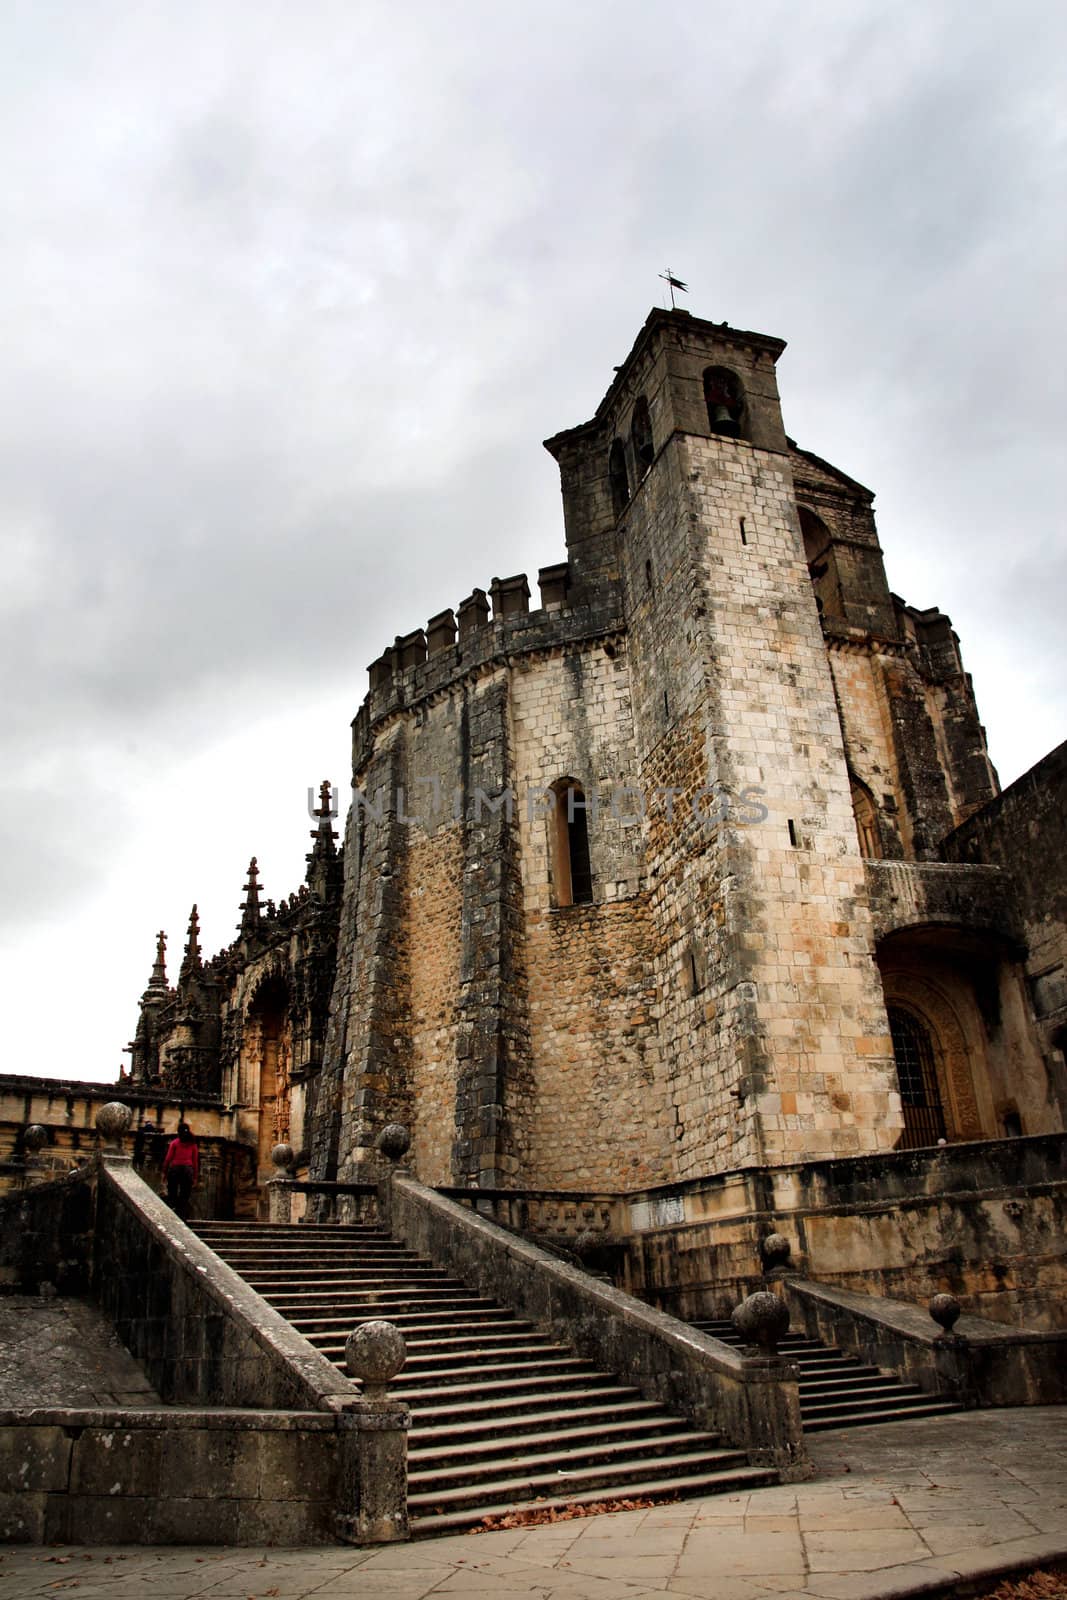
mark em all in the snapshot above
pixel 201 1332
pixel 751 1400
pixel 981 1363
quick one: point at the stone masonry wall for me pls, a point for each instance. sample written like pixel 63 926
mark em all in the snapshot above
pixel 794 1055
pixel 595 1112
pixel 433 894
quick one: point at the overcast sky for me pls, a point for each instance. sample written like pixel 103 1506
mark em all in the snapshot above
pixel 291 294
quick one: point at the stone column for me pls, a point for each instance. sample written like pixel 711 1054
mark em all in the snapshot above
pixel 375 1439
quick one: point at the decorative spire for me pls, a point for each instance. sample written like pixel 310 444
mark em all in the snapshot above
pixel 158 980
pixel 249 923
pixel 192 962
pixel 322 858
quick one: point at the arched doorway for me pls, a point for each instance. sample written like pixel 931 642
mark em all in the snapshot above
pixel 940 1037
pixel 268 1058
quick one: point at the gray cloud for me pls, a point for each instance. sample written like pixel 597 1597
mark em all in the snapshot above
pixel 290 297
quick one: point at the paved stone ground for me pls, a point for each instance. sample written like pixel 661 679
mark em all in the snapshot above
pixel 64 1352
pixel 900 1509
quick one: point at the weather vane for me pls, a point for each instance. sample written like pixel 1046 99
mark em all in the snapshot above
pixel 675 283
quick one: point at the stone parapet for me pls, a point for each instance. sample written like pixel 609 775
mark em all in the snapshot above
pixel 979 1363
pixel 92 1477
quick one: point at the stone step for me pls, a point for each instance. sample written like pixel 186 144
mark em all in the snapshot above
pixel 418 1328
pixel 814 1371
pixel 659 1490
pixel 666 1449
pixel 440 1408
pixel 310 1278
pixel 907 1399
pixel 432 1356
pixel 369 1307
pixel 592 1482
pixel 502 1413
pixel 865 1419
pixel 837 1389
pixel 348 1256
pixel 554 1439
pixel 287 1232
pixel 604 1408
pixel 513 1376
pixel 846 1388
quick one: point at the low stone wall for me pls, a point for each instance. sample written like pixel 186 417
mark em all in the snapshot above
pixel 46 1236
pixel 201 1334
pixel 985 1221
pixel 173 1477
pixel 752 1402
pixel 980 1363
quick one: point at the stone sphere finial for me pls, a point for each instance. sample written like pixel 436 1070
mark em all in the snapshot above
pixel 35 1138
pixel 283 1157
pixel 775 1250
pixel 394 1141
pixel 762 1319
pixel 375 1353
pixel 945 1310
pixel 112 1121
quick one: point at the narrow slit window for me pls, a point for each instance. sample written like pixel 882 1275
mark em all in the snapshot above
pixel 573 872
pixel 618 478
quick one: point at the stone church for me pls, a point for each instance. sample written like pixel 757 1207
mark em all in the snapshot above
pixel 697 865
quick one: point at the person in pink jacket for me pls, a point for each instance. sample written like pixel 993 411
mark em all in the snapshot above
pixel 181 1168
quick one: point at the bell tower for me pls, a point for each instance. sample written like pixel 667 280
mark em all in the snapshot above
pixel 680 511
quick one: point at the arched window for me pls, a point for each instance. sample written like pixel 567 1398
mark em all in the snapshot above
pixel 725 400
pixel 920 1096
pixel 572 873
pixel 822 563
pixel 641 436
pixel 617 477
pixel 866 814
pixel 816 535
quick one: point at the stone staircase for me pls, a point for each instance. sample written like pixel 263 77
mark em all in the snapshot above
pixel 838 1390
pixel 502 1416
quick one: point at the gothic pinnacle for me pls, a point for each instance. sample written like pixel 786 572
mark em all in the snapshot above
pixel 249 923
pixel 158 980
pixel 322 856
pixel 192 962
